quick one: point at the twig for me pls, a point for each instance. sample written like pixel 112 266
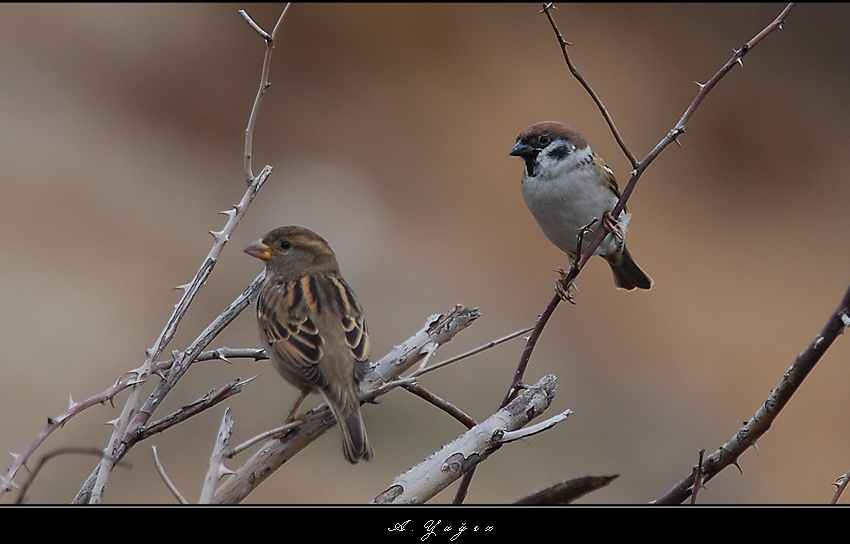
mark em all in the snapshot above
pixel 697 477
pixel 165 478
pixel 564 44
pixel 216 467
pixel 639 168
pixel 123 382
pixel 505 437
pixel 469 353
pixel 206 402
pixel 764 417
pixel 262 436
pixel 50 455
pixel 442 404
pixel 261 91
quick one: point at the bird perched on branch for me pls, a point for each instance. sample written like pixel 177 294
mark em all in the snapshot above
pixel 570 190
pixel 313 329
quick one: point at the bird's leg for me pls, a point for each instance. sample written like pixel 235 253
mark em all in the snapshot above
pixel 563 288
pixel 291 416
pixel 580 232
pixel 612 225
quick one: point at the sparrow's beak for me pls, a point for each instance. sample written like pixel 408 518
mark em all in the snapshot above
pixel 260 250
pixel 520 150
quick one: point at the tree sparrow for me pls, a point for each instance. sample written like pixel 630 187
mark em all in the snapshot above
pixel 313 328
pixel 568 187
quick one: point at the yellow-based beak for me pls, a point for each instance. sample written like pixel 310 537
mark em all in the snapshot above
pixel 260 250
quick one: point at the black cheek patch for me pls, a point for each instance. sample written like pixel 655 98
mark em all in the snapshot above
pixel 561 150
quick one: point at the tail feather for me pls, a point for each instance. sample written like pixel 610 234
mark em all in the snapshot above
pixel 355 443
pixel 627 274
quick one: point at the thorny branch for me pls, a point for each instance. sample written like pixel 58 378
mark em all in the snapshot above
pixel 764 417
pixel 124 426
pixel 639 168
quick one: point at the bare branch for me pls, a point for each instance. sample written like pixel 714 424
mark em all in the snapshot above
pixel 511 436
pixel 764 417
pixel 674 133
pixel 438 471
pixel 123 423
pixel 442 404
pixel 568 491
pixel 63 451
pixel 264 85
pixel 123 382
pixel 166 479
pixel 216 467
pixel 206 402
pixel 564 44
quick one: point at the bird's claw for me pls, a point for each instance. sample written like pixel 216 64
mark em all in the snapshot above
pixel 612 225
pixel 563 288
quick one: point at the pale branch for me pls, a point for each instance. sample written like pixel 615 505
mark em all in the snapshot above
pixel 176 370
pixel 166 479
pixel 216 467
pixel 520 434
pixel 438 330
pixel 639 168
pixel 422 482
pixel 261 91
pixel 470 353
pixel 568 491
pixel 122 383
pixel 260 437
pixel 206 402
pixel 767 413
pixel 123 423
pixel 184 360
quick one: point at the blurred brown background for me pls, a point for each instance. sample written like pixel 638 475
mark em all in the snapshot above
pixel 389 127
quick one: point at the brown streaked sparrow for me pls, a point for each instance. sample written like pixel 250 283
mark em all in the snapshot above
pixel 313 328
pixel 568 187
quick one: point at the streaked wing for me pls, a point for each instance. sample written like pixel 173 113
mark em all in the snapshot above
pixel 353 323
pixel 289 325
pixel 289 314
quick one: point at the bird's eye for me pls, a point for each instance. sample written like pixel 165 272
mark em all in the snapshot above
pixel 286 244
pixel 544 139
